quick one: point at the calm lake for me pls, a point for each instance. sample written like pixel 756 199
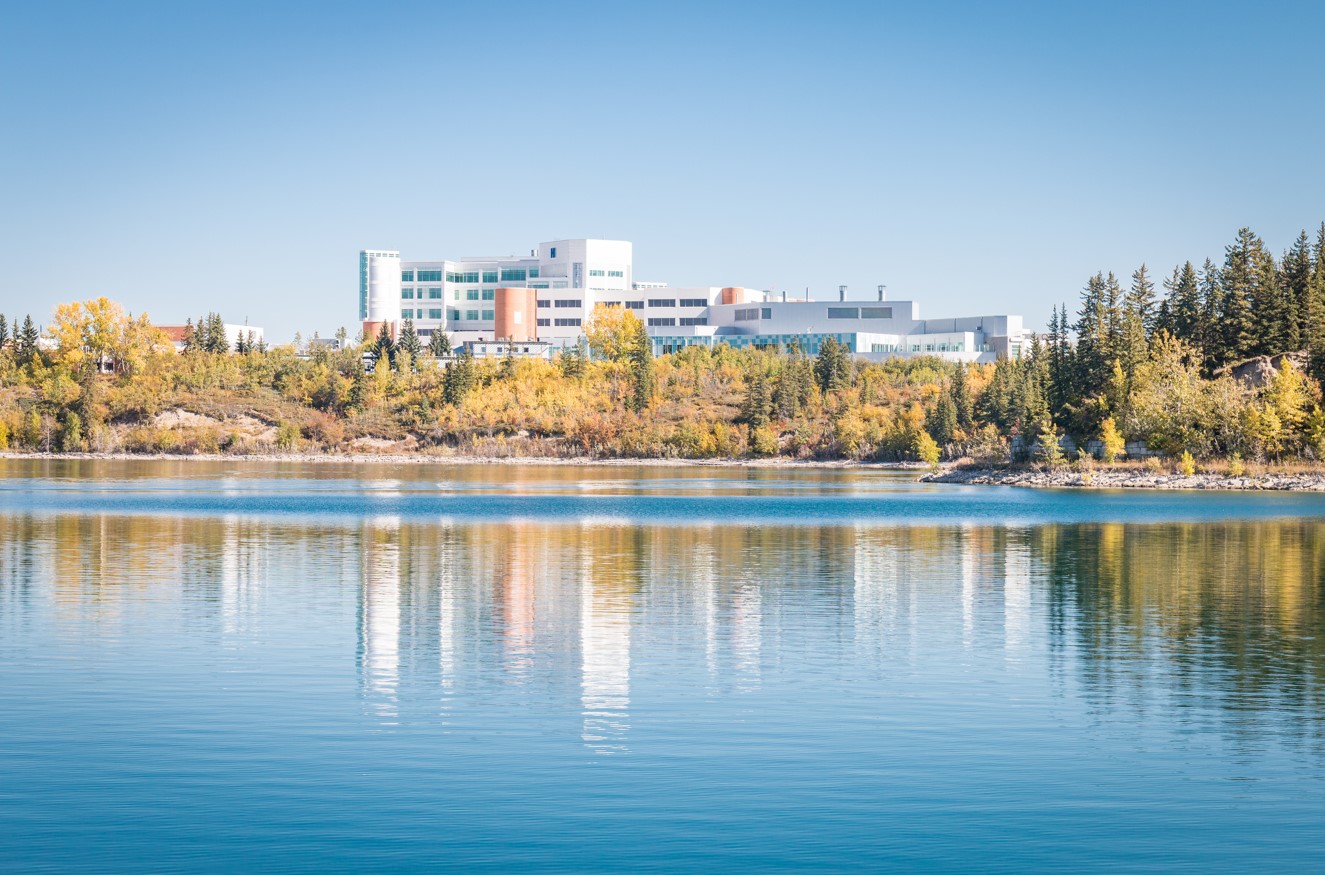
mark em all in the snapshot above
pixel 221 666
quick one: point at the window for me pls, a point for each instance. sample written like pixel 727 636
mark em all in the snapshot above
pixel 487 314
pixel 748 315
pixel 471 315
pixel 876 312
pixel 452 314
pixel 489 294
pixel 767 313
pixel 433 294
pixel 407 276
pixel 662 302
pixel 407 294
pixel 694 302
pixel 915 347
pixel 429 276
pixel 471 294
pixel 407 314
pixel 843 312
pixel 533 273
pixel 634 305
pixel 617 273
pixel 544 323
pixel 593 272
pixel 554 252
pixel 490 276
pixel 561 303
pixel 434 314
pixel 694 320
pixel 658 321
pixel 567 323
pixel 882 347
pixel 513 274
pixel 542 304
pixel 611 303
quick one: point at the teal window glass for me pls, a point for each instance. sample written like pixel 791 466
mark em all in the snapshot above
pixel 489 276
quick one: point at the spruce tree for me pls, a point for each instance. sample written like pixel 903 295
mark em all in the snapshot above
pixel 1315 337
pixel 1093 343
pixel 1186 314
pixel 963 404
pixel 1295 286
pixel 25 341
pixel 1272 311
pixel 1237 288
pixel 941 419
pixel 640 356
pixel 832 367
pixel 384 348
pixel 1212 307
pixel 439 344
pixel 409 342
pixel 572 361
pixel 459 378
pixel 758 401
pixel 4 331
pixel 1137 322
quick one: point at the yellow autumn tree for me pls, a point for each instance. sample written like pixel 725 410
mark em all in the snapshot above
pixel 612 331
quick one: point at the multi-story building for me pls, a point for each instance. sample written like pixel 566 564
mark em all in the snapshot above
pixel 547 297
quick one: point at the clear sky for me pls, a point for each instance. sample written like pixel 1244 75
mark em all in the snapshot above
pixel 979 157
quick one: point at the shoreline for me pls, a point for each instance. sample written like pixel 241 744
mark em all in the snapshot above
pixel 419 459
pixel 1107 478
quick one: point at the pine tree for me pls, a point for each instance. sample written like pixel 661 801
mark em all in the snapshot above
pixel 459 378
pixel 1186 313
pixel 1315 338
pixel 941 419
pixel 409 342
pixel 1093 342
pixel 439 344
pixel 384 348
pixel 1273 313
pixel 216 341
pixel 1295 286
pixel 572 361
pixel 832 367
pixel 1237 288
pixel 758 401
pixel 4 331
pixel 25 341
pixel 1212 307
pixel 963 404
pixel 1137 322
pixel 640 357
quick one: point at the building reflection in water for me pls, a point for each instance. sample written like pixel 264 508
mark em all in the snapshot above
pixel 1220 619
pixel 380 615
pixel 609 576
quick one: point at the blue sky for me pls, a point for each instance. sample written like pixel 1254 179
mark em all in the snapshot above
pixel 978 157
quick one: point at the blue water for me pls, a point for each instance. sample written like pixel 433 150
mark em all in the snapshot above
pixel 228 666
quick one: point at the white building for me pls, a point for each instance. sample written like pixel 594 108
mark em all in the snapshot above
pixel 481 300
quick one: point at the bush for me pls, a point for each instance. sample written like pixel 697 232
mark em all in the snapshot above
pixel 1186 464
pixel 763 442
pixel 287 436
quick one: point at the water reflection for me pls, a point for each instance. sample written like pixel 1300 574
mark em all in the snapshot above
pixel 1222 623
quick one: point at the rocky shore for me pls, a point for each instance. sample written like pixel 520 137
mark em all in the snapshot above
pixel 1124 478
pixel 403 458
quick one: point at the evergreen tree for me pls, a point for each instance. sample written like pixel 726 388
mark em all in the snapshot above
pixel 409 342
pixel 1295 287
pixel 572 361
pixel 439 344
pixel 832 367
pixel 758 401
pixel 1094 346
pixel 963 404
pixel 384 348
pixel 1315 331
pixel 1237 289
pixel 941 419
pixel 640 356
pixel 1137 322
pixel 25 341
pixel 1273 312
pixel 1212 307
pixel 217 341
pixel 4 331
pixel 460 377
pixel 1186 315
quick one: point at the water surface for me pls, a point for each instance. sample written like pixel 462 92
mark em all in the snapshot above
pixel 208 666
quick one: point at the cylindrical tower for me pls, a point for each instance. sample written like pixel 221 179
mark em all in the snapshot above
pixel 515 315
pixel 379 288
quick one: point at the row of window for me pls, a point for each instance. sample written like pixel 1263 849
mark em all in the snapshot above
pixel 505 275
pixel 408 294
pixel 860 312
pixel 409 313
pixel 620 274
pixel 561 303
pixel 752 313
pixel 661 321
